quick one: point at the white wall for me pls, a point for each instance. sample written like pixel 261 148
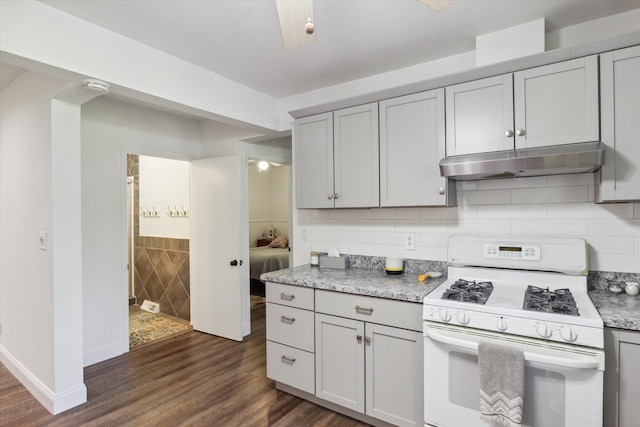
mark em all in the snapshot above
pixel 110 130
pixel 268 200
pixel 41 340
pixel 164 188
pixel 552 206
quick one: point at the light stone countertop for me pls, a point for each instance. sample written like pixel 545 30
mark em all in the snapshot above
pixel 620 311
pixel 617 311
pixel 360 281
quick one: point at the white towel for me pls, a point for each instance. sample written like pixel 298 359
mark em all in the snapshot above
pixel 501 371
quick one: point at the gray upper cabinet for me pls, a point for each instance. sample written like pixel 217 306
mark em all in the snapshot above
pixel 480 116
pixel 314 161
pixel 557 104
pixel 356 152
pixel 412 142
pixel 550 105
pixel 619 177
pixel 337 159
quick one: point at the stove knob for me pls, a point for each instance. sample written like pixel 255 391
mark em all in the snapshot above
pixel 445 316
pixel 567 334
pixel 543 330
pixel 501 324
pixel 463 317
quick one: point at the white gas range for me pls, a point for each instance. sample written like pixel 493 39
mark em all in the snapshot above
pixel 524 292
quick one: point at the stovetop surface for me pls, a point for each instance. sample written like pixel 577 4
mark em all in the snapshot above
pixel 508 294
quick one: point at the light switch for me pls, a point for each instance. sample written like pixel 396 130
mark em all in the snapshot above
pixel 43 240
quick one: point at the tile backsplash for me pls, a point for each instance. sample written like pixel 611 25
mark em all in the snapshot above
pixel 549 205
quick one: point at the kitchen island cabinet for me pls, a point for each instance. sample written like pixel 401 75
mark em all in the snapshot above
pixel 619 178
pixel 412 143
pixel 550 105
pixel 337 159
pixel 622 378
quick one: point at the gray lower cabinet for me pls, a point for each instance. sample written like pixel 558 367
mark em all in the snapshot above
pixel 290 336
pixel 412 143
pixel 368 367
pixel 622 378
pixel 363 354
pixel 619 177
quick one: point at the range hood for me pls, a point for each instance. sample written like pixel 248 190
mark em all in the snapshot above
pixel 554 160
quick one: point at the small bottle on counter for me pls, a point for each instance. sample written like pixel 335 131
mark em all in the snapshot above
pixel 315 258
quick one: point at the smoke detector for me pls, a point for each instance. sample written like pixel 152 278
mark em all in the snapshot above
pixel 96 86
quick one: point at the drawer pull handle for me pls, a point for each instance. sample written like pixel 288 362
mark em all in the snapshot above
pixel 286 319
pixel 363 310
pixel 367 340
pixel 359 339
pixel 287 297
pixel 287 359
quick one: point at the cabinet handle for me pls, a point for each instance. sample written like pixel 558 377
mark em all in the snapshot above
pixel 287 297
pixel 363 310
pixel 440 191
pixel 330 196
pixel 520 132
pixel 287 359
pixel 367 340
pixel 335 195
pixel 359 339
pixel 508 133
pixel 286 319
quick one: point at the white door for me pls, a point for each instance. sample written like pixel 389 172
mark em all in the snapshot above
pixel 219 292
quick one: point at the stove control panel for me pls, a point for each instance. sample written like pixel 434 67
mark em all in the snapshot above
pixel 528 252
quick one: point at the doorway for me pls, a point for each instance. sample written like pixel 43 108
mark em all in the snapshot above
pixel 158 230
pixel 269 186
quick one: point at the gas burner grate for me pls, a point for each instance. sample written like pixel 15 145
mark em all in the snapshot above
pixel 542 299
pixel 469 291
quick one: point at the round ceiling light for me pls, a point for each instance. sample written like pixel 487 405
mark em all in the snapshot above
pixel 262 165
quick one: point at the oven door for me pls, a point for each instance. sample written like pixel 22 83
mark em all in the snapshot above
pixel 563 383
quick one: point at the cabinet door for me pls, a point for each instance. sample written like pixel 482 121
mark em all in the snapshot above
pixel 394 379
pixel 620 87
pixel 314 161
pixel 356 156
pixel 557 104
pixel 412 144
pixel 340 361
pixel 479 116
pixel 621 378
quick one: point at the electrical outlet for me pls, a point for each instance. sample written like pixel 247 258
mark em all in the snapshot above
pixel 43 240
pixel 409 241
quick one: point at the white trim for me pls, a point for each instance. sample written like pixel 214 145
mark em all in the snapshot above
pixel 106 352
pixel 54 403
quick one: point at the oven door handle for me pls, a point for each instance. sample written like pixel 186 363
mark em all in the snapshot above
pixel 583 363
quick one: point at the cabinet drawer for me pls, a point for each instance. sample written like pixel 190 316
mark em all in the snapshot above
pixel 293 296
pixel 401 314
pixel 290 326
pixel 291 366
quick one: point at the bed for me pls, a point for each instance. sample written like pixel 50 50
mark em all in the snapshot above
pixel 262 260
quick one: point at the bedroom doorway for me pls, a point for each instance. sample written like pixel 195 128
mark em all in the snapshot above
pixel 269 185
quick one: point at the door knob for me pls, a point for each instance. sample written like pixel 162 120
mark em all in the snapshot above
pixel 235 262
pixel 520 132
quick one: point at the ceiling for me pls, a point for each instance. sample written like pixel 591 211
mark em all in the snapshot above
pixel 240 39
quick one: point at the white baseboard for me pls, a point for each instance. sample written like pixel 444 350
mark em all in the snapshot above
pixel 106 352
pixel 54 403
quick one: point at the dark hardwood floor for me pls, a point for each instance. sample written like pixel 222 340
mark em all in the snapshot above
pixel 194 379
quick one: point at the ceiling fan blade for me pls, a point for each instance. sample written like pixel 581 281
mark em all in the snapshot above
pixel 293 15
pixel 436 5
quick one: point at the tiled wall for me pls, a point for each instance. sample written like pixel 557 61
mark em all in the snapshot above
pixel 161 264
pixel 553 206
